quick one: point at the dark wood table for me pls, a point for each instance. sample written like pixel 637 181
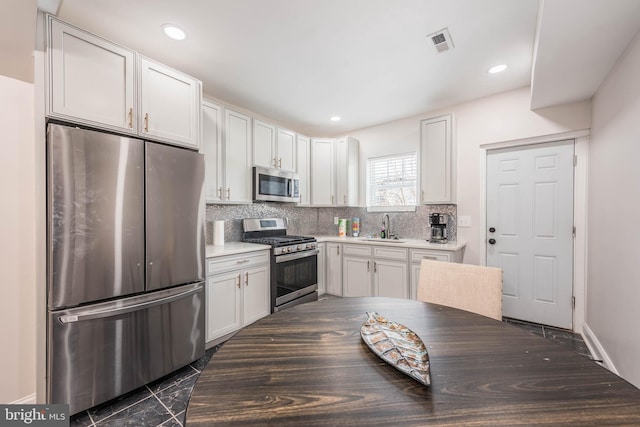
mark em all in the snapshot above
pixel 307 366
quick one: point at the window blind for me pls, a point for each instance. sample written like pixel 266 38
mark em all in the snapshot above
pixel 392 180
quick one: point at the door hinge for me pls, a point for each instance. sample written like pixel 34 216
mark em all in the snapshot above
pixel 573 232
pixel 575 160
pixel 573 302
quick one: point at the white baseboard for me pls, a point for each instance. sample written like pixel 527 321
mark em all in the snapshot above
pixel 27 400
pixel 597 351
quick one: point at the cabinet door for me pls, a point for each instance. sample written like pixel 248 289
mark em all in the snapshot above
pixel 391 279
pixel 346 170
pixel 356 277
pixel 322 286
pixel 256 302
pixel 341 172
pixel 436 167
pixel 91 79
pixel 212 147
pixel 237 157
pixel 322 167
pixel 169 105
pixel 286 150
pixel 334 269
pixel 415 278
pixel 302 154
pixel 264 144
pixel 223 304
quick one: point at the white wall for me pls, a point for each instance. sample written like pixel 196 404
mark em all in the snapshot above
pixel 613 292
pixel 497 118
pixel 18 245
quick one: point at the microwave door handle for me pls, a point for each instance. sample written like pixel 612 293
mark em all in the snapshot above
pixel 290 187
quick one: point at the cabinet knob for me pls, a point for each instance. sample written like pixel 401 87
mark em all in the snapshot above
pixel 492 229
pixel 492 241
pixel 246 278
pixel 131 118
pixel 229 193
pixel 146 122
pixel 239 279
pixel 274 162
pixel 280 163
pixel 368 265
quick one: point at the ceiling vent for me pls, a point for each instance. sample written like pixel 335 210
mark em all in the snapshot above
pixel 441 40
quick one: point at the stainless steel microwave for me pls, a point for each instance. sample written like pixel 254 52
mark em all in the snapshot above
pixel 273 185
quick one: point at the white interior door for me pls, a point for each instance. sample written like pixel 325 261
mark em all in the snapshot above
pixel 530 230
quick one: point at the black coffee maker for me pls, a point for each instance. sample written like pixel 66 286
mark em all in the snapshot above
pixel 438 223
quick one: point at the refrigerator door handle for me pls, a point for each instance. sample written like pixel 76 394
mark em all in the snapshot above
pixel 136 304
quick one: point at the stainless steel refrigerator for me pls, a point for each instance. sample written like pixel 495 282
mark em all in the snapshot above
pixel 125 267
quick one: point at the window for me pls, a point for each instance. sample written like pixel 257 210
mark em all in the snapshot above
pixel 392 183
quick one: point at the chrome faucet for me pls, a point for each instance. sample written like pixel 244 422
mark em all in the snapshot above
pixel 386 224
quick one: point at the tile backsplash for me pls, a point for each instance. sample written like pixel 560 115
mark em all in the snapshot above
pixel 319 221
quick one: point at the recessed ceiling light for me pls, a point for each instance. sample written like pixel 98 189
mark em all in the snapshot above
pixel 174 32
pixel 497 68
pixel 335 118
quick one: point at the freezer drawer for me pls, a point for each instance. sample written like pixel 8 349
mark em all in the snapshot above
pixel 107 349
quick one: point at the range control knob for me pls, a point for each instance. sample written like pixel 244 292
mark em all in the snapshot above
pixel 300 247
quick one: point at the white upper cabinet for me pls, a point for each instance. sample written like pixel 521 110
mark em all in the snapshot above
pixel 322 172
pixel 98 83
pixel 264 144
pixel 168 104
pixel 237 158
pixel 286 150
pixel 347 170
pixel 273 147
pixel 437 168
pixel 212 147
pixel 90 80
pixel 226 137
pixel 303 167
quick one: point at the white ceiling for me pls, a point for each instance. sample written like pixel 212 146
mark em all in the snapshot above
pixel 578 42
pixel 298 62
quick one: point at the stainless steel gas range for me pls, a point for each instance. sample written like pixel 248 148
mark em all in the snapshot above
pixel 294 261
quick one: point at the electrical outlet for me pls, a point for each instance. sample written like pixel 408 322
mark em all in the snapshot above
pixel 464 221
pixel 335 220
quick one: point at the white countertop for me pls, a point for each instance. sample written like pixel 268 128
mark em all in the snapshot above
pixel 231 248
pixel 402 243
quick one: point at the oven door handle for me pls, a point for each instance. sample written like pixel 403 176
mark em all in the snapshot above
pixel 298 255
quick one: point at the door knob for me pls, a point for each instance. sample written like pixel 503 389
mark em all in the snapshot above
pixel 492 229
pixel 492 241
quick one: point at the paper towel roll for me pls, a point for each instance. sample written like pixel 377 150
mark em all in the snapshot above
pixel 218 233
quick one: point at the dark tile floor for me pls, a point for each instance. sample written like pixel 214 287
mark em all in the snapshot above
pixel 161 403
pixel 164 402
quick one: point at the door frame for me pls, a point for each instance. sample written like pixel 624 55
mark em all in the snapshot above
pixel 581 141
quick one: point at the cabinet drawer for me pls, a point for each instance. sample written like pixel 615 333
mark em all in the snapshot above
pixel 390 253
pixel 224 263
pixel 359 250
pixel 418 255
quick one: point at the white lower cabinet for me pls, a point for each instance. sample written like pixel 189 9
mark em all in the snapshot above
pixel 236 297
pixel 375 271
pixel 333 276
pixel 322 282
pixel 391 278
pixel 417 255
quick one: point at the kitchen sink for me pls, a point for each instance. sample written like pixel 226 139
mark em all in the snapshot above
pixel 377 240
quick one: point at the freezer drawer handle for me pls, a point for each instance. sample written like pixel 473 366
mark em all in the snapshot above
pixel 110 312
